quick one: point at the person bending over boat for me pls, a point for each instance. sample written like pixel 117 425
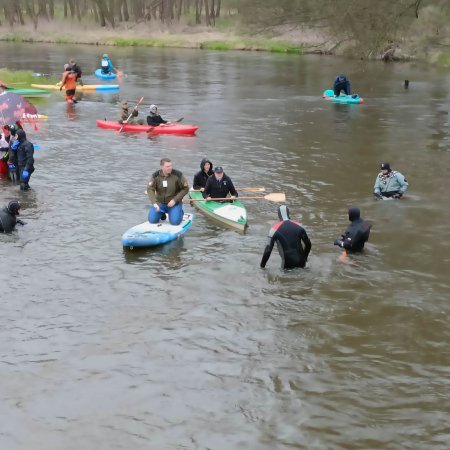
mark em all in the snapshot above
pixel 154 119
pixel 166 190
pixel 107 65
pixel 69 80
pixel 124 114
pixel 201 177
pixel 341 83
pixel 356 234
pixel 8 219
pixel 21 156
pixel 74 67
pixel 389 183
pixel 289 236
pixel 219 186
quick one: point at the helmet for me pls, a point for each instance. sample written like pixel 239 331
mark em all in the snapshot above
pixel 13 207
pixel 105 56
pixel 153 109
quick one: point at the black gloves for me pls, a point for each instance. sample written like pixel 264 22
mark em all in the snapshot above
pixel 339 242
pixel 378 195
pixel 398 195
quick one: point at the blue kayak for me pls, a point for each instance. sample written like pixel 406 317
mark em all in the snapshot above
pixel 105 76
pixel 343 98
pixel 150 234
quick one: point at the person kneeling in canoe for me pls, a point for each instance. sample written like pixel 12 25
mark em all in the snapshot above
pixel 341 83
pixel 356 234
pixel 69 80
pixel 219 186
pixel 125 113
pixel 166 190
pixel 389 183
pixel 201 177
pixel 289 236
pixel 154 119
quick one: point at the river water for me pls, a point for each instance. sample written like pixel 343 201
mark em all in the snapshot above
pixel 192 345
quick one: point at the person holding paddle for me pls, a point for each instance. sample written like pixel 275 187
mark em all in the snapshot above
pixel 154 119
pixel 127 117
pixel 289 236
pixel 219 186
pixel 166 190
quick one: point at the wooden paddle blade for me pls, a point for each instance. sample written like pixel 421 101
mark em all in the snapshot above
pixel 251 189
pixel 276 197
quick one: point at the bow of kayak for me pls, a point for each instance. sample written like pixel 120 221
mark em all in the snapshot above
pixel 27 92
pixel 105 76
pixel 170 128
pixel 343 98
pixel 84 88
pixel 232 214
pixel 151 234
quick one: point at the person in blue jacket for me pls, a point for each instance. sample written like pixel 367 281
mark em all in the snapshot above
pixel 389 183
pixel 107 65
pixel 341 83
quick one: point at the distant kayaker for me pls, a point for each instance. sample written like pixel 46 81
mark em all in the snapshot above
pixel 356 234
pixel 21 156
pixel 8 219
pixel 154 119
pixel 69 81
pixel 201 177
pixel 166 190
pixel 219 186
pixel 341 83
pixel 107 65
pixel 289 236
pixel 389 183
pixel 124 114
pixel 74 67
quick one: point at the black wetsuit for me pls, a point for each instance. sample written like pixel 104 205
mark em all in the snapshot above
pixel 289 236
pixel 356 234
pixel 7 221
pixel 339 86
pixel 23 159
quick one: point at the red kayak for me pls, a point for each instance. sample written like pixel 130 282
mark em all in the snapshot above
pixel 165 128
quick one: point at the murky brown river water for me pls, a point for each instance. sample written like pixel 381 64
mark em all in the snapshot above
pixel 192 345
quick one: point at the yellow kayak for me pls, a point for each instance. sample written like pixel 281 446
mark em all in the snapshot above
pixel 85 87
pixel 26 116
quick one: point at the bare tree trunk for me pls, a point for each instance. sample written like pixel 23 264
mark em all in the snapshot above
pixel 20 15
pixel 212 13
pixel 29 8
pixel 126 14
pixel 218 8
pixel 198 11
pixel 119 10
pixel 72 8
pixel 51 9
pixel 65 9
pixel 207 18
pixel 179 8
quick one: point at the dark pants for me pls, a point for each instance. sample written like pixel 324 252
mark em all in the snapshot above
pixel 24 186
pixel 341 87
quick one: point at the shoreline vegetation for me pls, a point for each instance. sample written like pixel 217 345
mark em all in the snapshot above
pixel 403 30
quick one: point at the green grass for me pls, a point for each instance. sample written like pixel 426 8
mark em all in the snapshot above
pixel 251 44
pixel 22 78
pixel 141 42
pixel 443 59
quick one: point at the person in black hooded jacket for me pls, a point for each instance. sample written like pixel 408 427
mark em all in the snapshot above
pixel 201 177
pixel 219 186
pixel 289 236
pixel 8 217
pixel 23 158
pixel 356 234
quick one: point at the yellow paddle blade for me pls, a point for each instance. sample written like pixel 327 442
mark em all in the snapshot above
pixel 274 197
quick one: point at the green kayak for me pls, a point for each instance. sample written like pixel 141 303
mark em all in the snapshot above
pixel 29 92
pixel 232 214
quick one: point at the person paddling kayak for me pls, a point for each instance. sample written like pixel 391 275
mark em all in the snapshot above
pixel 107 65
pixel 154 119
pixel 124 114
pixel 201 177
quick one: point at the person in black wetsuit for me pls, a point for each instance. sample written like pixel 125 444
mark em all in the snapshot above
pixel 8 219
pixel 289 236
pixel 201 177
pixel 356 234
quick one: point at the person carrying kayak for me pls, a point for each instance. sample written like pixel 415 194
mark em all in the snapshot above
pixel 356 234
pixel 124 114
pixel 341 83
pixel 219 186
pixel 389 183
pixel 166 190
pixel 69 81
pixel 8 219
pixel 154 119
pixel 21 156
pixel 289 236
pixel 107 65
pixel 74 67
pixel 201 177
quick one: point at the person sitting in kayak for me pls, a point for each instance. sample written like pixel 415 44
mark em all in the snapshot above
pixel 201 177
pixel 125 113
pixel 107 65
pixel 154 119
pixel 356 234
pixel 289 236
pixel 219 186
pixel 166 190
pixel 8 219
pixel 69 81
pixel 74 67
pixel 389 183
pixel 341 83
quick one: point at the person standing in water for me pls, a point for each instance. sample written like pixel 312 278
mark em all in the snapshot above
pixel 356 234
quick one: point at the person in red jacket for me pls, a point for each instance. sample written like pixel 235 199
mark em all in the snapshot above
pixel 69 81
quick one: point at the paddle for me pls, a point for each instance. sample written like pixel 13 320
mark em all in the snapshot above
pixel 274 197
pixel 129 117
pixel 249 189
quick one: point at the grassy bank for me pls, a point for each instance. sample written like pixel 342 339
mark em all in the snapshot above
pixel 23 78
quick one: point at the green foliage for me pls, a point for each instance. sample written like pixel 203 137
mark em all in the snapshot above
pixel 22 78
